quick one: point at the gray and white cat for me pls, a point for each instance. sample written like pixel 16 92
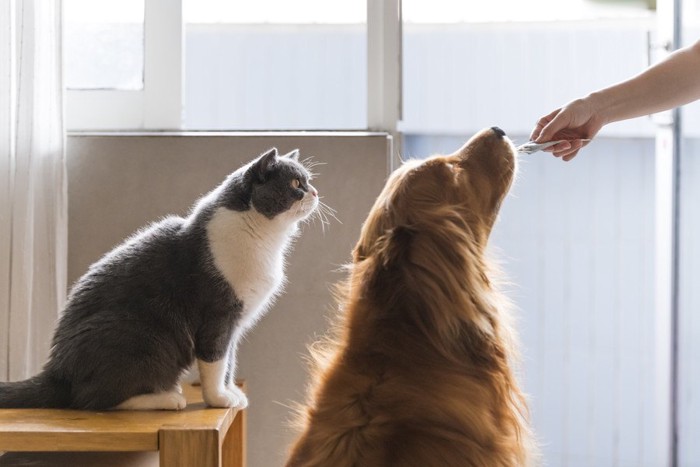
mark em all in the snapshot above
pixel 181 290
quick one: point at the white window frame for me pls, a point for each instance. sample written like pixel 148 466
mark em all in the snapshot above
pixel 384 71
pixel 158 106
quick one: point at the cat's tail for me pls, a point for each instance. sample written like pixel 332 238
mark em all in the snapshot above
pixel 40 392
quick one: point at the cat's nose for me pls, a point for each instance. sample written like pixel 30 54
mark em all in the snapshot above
pixel 313 191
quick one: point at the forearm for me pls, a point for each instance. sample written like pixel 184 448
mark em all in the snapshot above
pixel 673 82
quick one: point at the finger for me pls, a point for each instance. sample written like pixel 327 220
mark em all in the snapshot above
pixel 536 131
pixel 573 148
pixel 567 158
pixel 541 123
pixel 564 153
pixel 551 128
pixel 577 146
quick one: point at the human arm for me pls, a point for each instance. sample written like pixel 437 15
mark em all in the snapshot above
pixel 670 83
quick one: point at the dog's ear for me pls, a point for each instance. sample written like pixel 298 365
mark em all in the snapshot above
pixel 394 245
pixel 359 253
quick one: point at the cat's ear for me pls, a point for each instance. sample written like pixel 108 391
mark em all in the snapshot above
pixel 293 155
pixel 263 164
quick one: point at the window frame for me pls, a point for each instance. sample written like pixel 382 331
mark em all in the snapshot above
pixel 158 106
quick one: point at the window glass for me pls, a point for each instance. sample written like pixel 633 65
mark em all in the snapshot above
pixel 275 64
pixel 104 44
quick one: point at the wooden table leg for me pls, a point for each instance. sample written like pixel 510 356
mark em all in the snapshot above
pixel 182 447
pixel 233 450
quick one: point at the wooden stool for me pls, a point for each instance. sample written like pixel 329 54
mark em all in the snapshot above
pixel 195 437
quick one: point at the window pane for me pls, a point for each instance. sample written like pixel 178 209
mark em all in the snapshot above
pixel 275 64
pixel 104 44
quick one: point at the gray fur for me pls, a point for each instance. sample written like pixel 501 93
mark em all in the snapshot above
pixel 142 313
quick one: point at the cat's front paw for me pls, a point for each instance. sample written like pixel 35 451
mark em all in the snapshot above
pixel 174 401
pixel 241 395
pixel 226 398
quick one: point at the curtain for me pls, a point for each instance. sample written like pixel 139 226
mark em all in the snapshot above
pixel 33 211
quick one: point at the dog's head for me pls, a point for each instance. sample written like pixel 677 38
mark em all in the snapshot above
pixel 463 189
pixel 421 249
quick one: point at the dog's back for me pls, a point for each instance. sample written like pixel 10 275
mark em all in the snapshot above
pixel 390 424
pixel 406 408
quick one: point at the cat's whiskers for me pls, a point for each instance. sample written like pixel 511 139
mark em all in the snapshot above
pixel 308 211
pixel 327 211
pixel 313 220
pixel 309 164
pixel 324 212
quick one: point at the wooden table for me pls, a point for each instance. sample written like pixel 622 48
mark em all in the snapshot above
pixel 197 436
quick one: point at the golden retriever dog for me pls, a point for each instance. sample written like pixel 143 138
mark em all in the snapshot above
pixel 419 372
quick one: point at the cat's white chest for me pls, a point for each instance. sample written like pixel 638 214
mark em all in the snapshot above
pixel 249 251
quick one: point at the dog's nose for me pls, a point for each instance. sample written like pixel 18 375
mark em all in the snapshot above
pixel 498 131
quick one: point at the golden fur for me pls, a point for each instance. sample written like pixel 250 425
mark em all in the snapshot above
pixel 419 373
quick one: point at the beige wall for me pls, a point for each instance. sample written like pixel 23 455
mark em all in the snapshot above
pixel 118 183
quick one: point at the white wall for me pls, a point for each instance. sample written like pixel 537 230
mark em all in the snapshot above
pixel 576 240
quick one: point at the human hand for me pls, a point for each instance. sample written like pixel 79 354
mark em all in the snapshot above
pixel 576 121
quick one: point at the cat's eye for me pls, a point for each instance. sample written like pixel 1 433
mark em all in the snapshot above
pixel 296 183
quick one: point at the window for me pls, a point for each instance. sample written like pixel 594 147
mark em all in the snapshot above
pixel 104 44
pixel 123 64
pixel 275 64
pixel 216 65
